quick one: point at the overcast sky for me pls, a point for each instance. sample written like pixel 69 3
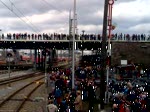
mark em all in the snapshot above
pixel 49 16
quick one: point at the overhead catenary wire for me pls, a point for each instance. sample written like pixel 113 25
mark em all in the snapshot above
pixel 24 16
pixel 35 30
pixel 47 3
pixel 54 8
pixel 11 5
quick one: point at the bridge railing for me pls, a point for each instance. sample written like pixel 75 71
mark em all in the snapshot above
pixel 98 37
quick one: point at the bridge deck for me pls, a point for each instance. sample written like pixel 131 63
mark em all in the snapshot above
pixel 58 44
pixel 61 40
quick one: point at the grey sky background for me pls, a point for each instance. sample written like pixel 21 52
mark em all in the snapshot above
pixel 49 16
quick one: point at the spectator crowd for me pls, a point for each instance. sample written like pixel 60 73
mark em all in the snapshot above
pixel 67 99
pixel 57 36
pixel 126 96
pixel 129 98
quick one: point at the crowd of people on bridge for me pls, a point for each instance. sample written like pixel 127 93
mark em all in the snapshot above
pixel 57 36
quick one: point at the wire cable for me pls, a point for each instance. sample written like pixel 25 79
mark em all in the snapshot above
pixel 18 16
pixel 24 16
pixel 47 3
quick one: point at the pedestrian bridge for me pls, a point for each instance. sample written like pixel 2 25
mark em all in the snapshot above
pixel 59 44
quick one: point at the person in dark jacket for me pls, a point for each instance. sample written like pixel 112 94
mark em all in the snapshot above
pixel 72 97
pixel 91 96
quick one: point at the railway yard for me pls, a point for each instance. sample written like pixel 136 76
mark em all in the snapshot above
pixel 23 92
pixel 26 90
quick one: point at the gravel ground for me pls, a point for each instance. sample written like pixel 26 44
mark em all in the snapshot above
pixel 15 100
pixel 5 91
pixel 13 74
pixel 38 101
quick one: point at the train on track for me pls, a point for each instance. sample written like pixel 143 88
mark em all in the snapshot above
pixel 13 56
pixel 16 57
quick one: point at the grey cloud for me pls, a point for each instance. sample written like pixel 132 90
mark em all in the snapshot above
pixel 89 19
pixel 19 26
pixel 27 7
pixel 6 13
pixel 31 7
pixel 126 23
pixel 50 25
pixel 122 1
pixel 85 12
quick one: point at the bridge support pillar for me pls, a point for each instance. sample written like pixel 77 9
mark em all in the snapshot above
pixel 35 59
pixel 53 54
pixel 39 61
pixel 51 58
pixel 42 59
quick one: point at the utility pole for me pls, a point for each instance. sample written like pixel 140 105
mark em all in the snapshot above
pixel 70 23
pixel 70 38
pixel 76 28
pixel 73 47
pixel 104 55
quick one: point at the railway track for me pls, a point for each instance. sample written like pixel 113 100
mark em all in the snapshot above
pixel 17 78
pixel 15 101
pixel 6 71
pixel 65 65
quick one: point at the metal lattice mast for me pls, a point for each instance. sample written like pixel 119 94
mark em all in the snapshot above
pixel 73 47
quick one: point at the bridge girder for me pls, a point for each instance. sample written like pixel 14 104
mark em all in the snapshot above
pixel 52 45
